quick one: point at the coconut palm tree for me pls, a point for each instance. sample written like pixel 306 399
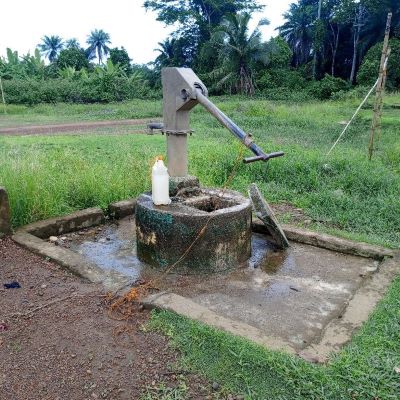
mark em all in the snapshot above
pixel 239 50
pixel 51 46
pixel 72 44
pixel 167 53
pixel 98 41
pixel 298 31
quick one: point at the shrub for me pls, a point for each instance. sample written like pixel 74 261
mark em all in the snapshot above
pixel 281 78
pixel 327 87
pixel 74 58
pixel 369 69
pixel 91 90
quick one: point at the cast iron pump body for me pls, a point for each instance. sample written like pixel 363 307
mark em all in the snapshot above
pixel 183 90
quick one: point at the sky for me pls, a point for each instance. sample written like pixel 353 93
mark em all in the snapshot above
pixel 24 22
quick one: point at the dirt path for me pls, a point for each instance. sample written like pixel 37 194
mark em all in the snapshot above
pixel 71 349
pixel 72 127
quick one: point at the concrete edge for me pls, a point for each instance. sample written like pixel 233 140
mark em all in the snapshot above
pixel 330 242
pixel 74 262
pixel 188 308
pixel 339 331
pixel 121 209
pixel 69 223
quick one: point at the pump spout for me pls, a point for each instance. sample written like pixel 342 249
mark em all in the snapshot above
pixel 233 128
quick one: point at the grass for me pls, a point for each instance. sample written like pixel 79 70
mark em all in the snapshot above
pixel 344 194
pixel 364 369
pixel 60 113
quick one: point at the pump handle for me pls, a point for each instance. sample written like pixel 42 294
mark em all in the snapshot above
pixel 265 157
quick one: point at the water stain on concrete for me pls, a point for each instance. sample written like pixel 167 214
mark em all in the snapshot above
pixel 291 295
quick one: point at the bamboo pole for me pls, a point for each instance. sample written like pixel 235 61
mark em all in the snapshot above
pixel 2 96
pixel 376 120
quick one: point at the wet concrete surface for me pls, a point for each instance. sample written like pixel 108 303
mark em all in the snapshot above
pixel 291 295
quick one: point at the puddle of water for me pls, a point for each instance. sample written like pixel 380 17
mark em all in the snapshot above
pixel 114 247
pixel 109 251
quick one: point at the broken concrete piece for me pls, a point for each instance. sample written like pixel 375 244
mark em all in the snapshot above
pixel 5 213
pixel 265 213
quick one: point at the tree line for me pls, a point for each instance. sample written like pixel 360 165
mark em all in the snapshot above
pixel 323 49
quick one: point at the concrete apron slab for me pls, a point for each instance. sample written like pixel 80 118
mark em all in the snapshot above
pixel 307 301
pixel 34 238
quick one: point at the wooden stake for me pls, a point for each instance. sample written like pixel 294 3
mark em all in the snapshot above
pixel 376 120
pixel 2 96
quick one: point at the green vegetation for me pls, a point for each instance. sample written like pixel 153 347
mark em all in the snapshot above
pixel 364 369
pixel 343 194
pixel 325 47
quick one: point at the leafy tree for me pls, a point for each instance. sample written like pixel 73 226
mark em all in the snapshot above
pixel 51 46
pixel 279 53
pixel 239 50
pixel 369 69
pixel 121 57
pixel 74 58
pixel 98 41
pixel 196 20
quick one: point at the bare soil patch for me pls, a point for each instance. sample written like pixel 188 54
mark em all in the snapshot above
pixel 57 340
pixel 71 127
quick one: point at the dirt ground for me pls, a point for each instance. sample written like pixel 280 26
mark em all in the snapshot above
pixel 57 340
pixel 72 128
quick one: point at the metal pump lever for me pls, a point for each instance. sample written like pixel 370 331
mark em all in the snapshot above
pixel 239 133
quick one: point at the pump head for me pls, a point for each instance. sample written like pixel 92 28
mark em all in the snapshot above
pixel 183 90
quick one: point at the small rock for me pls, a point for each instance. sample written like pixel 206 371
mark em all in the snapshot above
pixel 89 372
pixel 81 233
pixel 108 238
pixel 73 355
pixel 397 370
pixel 307 222
pixel 53 239
pixel 40 294
pixel 64 238
pixel 43 286
pixel 215 385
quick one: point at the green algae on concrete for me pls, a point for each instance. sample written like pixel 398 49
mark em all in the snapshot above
pixel 164 233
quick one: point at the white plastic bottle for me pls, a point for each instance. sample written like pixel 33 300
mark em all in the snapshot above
pixel 160 183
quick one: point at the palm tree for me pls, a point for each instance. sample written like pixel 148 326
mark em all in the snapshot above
pixel 297 30
pixel 72 44
pixel 51 46
pixel 97 41
pixel 167 53
pixel 239 50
